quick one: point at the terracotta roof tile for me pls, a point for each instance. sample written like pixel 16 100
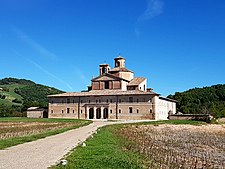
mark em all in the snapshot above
pixel 104 93
pixel 120 69
pixel 136 81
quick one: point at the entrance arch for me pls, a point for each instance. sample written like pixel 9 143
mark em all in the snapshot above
pixel 98 113
pixel 91 113
pixel 105 113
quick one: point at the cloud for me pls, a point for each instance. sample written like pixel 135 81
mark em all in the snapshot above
pixel 154 8
pixel 50 74
pixel 32 43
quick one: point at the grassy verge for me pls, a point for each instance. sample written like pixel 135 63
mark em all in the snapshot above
pixel 108 150
pixel 4 143
pixel 105 151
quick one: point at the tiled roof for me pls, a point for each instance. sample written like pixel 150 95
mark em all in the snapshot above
pixel 104 93
pixel 167 99
pixel 136 81
pixel 120 69
pixel 108 75
pixel 119 57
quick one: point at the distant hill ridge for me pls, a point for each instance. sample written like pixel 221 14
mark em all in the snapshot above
pixel 7 81
pixel 202 100
pixel 19 94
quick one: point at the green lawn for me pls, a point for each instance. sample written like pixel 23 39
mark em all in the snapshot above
pixel 41 127
pixel 106 150
pixel 103 151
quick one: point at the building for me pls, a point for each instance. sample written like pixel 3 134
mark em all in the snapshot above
pixel 37 112
pixel 115 94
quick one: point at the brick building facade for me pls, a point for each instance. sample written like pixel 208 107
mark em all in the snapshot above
pixel 114 94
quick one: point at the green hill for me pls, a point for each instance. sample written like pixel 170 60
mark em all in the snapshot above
pixel 16 95
pixel 202 100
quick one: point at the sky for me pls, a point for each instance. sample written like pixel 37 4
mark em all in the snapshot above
pixel 176 45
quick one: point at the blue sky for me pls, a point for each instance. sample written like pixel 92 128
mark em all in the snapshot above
pixel 177 44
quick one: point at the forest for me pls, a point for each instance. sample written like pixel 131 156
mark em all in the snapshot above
pixel 206 100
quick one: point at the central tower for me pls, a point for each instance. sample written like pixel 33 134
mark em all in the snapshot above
pixel 119 62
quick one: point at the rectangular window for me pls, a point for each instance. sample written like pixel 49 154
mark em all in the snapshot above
pixel 62 111
pixel 81 101
pixel 137 111
pixel 110 111
pixel 52 101
pixel 150 110
pixel 73 111
pixel 89 101
pixel 73 101
pixel 130 110
pixel 119 110
pixel 51 111
pixel 81 111
pixel 99 101
pixel 68 110
pixel 110 100
pixel 130 99
pixel 96 101
pixel 68 101
pixel 119 100
pixel 62 101
pixel 107 85
pixel 107 101
pixel 137 100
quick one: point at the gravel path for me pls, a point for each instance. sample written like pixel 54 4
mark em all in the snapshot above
pixel 48 151
pixel 43 153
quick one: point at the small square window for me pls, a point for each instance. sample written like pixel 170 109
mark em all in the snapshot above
pixel 130 99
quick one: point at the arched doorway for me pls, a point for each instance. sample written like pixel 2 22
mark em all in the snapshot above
pixel 91 113
pixel 105 113
pixel 98 113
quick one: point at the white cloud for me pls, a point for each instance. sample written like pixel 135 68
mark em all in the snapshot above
pixel 154 8
pixel 50 74
pixel 32 43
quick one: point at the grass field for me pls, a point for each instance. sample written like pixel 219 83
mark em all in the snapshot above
pixel 15 131
pixel 164 144
pixel 10 95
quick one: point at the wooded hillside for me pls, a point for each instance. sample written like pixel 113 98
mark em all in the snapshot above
pixel 16 95
pixel 202 100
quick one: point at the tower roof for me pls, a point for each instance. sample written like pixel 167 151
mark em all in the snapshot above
pixel 119 57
